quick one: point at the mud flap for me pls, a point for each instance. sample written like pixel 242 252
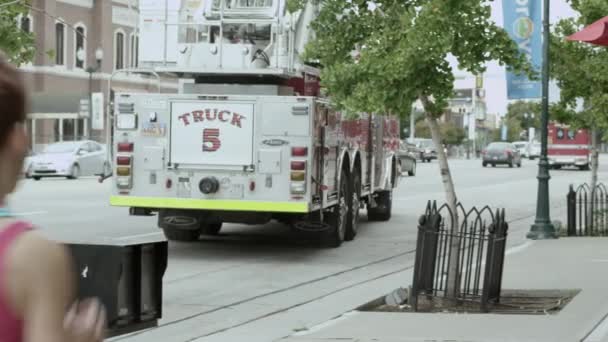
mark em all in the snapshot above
pixel 127 278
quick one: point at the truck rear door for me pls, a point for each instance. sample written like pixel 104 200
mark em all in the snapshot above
pixel 212 134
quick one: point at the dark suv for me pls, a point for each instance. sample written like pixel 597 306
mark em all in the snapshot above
pixel 501 153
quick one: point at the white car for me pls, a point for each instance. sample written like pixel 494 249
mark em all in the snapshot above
pixel 522 147
pixel 533 150
pixel 70 159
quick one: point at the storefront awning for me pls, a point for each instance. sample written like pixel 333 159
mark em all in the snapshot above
pixel 56 105
pixel 596 33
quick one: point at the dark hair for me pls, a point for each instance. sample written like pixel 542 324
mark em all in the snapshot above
pixel 12 99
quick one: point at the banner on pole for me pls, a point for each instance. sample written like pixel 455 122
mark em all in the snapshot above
pixel 523 22
pixel 503 132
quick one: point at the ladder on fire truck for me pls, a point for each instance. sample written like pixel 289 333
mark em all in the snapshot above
pixel 230 39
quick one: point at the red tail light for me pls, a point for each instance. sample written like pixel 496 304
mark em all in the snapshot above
pixel 484 151
pixel 299 151
pixel 125 147
pixel 298 165
pixel 123 160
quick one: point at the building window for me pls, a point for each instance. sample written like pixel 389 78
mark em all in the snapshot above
pixel 60 44
pixel 134 52
pixel 119 50
pixel 26 23
pixel 80 44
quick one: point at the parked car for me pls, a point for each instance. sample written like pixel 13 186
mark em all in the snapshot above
pixel 427 149
pixel 69 159
pixel 533 150
pixel 27 165
pixel 522 147
pixel 501 153
pixel 407 158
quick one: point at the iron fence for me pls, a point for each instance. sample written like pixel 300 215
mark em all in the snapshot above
pixel 588 210
pixel 475 240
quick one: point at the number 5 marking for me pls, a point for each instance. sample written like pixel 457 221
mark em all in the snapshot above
pixel 211 140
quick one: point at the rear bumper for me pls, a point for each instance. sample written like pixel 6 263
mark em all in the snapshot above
pixel 568 160
pixel 489 160
pixel 198 204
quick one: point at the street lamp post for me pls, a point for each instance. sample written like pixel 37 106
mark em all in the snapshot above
pixel 542 227
pixel 91 69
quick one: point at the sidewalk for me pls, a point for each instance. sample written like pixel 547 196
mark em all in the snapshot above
pixel 566 263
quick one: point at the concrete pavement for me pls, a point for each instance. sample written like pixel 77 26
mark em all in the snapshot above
pixel 262 283
pixel 567 263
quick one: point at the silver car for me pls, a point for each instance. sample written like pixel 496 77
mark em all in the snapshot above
pixel 70 159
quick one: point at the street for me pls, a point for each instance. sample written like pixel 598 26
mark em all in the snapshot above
pixel 261 283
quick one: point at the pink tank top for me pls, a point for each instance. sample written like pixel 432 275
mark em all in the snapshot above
pixel 11 326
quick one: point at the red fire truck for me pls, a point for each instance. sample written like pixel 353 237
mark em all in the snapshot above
pixel 568 146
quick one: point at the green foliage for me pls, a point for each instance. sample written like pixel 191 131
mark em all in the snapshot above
pixel 581 69
pixel 452 134
pixel 516 120
pixel 401 50
pixel 516 111
pixel 17 45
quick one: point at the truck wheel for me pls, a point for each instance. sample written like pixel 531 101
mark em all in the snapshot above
pixel 181 235
pixel 211 228
pixel 354 204
pixel 337 218
pixel 179 227
pixel 383 210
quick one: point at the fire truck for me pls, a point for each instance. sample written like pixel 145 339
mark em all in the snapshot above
pixel 248 138
pixel 568 146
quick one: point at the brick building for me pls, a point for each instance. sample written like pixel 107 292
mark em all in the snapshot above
pixel 60 77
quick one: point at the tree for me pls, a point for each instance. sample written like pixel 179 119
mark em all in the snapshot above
pixel 516 117
pixel 581 71
pixel 452 135
pixel 381 56
pixel 15 43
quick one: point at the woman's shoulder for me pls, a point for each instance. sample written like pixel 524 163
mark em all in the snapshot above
pixel 33 259
pixel 32 250
pixel 31 262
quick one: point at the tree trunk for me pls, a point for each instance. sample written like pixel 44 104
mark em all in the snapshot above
pixel 594 166
pixel 453 276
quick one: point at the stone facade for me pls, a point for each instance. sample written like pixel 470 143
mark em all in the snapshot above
pixel 61 27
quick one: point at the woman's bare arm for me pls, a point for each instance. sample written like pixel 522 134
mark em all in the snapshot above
pixel 45 288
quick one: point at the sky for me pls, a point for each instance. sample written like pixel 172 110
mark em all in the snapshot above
pixel 494 78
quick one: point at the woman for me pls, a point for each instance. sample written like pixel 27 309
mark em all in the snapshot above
pixel 37 283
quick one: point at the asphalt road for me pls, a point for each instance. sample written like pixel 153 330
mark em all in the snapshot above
pixel 263 283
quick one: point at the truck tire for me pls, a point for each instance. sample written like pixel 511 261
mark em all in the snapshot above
pixel 337 218
pixel 211 228
pixel 383 210
pixel 181 235
pixel 412 172
pixel 354 204
pixel 179 227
